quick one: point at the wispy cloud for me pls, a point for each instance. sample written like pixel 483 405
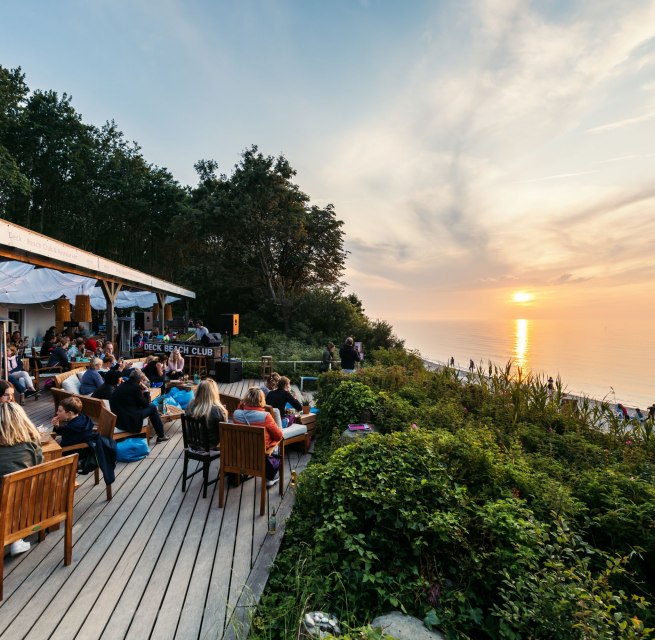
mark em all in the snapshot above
pixel 610 126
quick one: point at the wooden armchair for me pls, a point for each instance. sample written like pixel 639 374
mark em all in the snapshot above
pixel 197 446
pixel 243 450
pixel 38 368
pixel 36 498
pixel 231 403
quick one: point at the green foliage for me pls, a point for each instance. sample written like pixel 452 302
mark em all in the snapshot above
pixel 502 516
pixel 350 402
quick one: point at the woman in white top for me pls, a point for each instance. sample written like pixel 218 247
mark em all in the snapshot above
pixel 175 366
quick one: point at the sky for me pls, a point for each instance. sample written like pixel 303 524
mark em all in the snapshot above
pixel 473 148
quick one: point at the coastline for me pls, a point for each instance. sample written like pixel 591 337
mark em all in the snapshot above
pixel 436 365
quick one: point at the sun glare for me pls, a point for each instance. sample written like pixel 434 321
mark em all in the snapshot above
pixel 522 296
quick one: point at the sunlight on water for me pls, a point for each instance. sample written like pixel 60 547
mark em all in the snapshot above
pixel 521 343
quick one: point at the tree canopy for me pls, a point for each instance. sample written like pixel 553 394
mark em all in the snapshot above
pixel 251 242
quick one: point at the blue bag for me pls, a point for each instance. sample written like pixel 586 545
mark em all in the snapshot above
pixel 132 449
pixel 182 396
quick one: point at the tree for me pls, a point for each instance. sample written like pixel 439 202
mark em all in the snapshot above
pixel 279 244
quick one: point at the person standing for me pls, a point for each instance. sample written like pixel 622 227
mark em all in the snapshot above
pixel 551 387
pixel 349 356
pixel 328 358
pixel 452 361
pixel 471 365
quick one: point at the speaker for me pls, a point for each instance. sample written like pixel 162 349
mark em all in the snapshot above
pixel 228 324
pixel 229 371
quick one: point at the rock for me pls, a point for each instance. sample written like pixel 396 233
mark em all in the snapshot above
pixel 402 627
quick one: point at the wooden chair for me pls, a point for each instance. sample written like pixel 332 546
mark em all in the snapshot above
pixel 38 368
pixel 37 498
pixel 231 403
pixel 243 450
pixel 196 365
pixel 195 435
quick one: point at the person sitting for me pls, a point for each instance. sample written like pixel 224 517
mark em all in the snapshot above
pixel 271 383
pixel 91 345
pixel 70 423
pixel 106 389
pixel 154 369
pixel 108 350
pixel 252 412
pixel 19 377
pixel 76 350
pixel 20 448
pixel 278 398
pixel 111 364
pixel 349 356
pixel 59 355
pixel 130 402
pixel 48 343
pixel 175 365
pixel 91 380
pixel 207 404
pixel 7 391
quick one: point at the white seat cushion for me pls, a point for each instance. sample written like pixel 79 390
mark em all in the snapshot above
pixel 71 384
pixel 294 430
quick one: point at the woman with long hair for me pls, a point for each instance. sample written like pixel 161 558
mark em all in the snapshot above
pixel 175 366
pixel 20 448
pixel 207 404
pixel 21 378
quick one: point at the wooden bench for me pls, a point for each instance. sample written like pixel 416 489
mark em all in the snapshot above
pixel 60 377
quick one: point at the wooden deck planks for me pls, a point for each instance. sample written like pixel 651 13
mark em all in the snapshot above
pixel 153 562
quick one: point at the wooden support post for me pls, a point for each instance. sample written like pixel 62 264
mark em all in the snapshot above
pixel 110 290
pixel 161 299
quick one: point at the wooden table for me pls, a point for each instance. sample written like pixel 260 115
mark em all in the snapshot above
pixel 50 448
pixel 308 419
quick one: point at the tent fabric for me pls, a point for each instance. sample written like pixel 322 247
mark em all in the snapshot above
pixel 21 283
pixel 125 299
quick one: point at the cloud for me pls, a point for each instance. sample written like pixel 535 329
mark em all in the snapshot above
pixel 610 126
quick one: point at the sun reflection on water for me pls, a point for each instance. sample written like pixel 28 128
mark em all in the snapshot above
pixel 521 343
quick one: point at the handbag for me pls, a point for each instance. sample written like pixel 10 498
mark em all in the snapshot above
pixel 132 449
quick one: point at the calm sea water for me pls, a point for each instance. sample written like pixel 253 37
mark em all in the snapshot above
pixel 601 359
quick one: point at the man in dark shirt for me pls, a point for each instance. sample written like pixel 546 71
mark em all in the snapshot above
pixel 131 404
pixel 59 355
pixel 349 356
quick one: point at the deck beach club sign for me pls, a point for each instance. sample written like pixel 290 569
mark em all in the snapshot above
pixel 185 349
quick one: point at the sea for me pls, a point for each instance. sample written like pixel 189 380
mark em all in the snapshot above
pixel 604 359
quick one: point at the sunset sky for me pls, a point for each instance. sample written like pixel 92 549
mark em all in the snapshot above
pixel 473 148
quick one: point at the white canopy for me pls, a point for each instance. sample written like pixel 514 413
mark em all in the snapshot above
pixel 21 283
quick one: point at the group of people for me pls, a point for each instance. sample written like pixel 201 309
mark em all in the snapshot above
pixel 349 353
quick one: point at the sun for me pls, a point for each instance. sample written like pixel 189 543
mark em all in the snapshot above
pixel 522 296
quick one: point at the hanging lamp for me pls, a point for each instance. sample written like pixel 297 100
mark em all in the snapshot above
pixel 82 308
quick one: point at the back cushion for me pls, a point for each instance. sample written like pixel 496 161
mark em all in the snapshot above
pixel 71 384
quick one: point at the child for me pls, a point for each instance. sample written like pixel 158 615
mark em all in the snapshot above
pixel 70 424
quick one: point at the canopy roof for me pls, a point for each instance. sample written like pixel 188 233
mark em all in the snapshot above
pixel 22 283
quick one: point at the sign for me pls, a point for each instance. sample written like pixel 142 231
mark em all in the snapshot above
pixel 185 349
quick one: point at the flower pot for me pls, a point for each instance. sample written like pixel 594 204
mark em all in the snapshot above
pixel 305 408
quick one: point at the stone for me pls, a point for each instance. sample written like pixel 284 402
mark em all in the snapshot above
pixel 402 627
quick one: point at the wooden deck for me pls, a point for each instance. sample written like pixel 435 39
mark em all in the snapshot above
pixel 152 563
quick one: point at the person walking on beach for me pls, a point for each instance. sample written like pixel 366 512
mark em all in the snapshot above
pixel 471 365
